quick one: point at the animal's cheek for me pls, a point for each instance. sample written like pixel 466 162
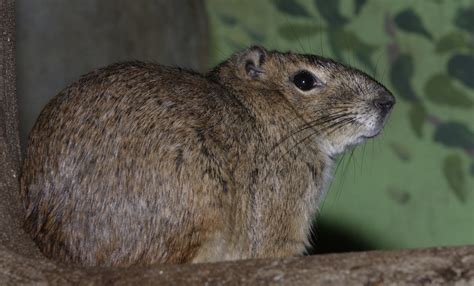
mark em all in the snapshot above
pixel 296 99
pixel 311 105
pixel 305 102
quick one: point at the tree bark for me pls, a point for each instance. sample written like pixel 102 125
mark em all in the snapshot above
pixel 12 237
pixel 437 266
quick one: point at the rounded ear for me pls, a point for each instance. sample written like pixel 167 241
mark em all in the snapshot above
pixel 253 60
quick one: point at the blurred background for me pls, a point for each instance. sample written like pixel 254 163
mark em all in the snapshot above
pixel 411 187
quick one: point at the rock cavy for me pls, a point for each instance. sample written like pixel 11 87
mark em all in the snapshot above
pixel 138 163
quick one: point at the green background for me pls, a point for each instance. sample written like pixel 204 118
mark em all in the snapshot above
pixel 412 186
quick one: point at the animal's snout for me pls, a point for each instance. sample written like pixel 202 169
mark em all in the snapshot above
pixel 384 102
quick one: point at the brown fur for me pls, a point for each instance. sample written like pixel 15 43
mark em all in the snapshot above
pixel 138 163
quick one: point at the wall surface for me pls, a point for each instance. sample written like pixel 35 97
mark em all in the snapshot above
pixel 57 41
pixel 414 185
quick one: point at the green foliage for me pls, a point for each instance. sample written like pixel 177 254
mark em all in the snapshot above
pixel 293 32
pixel 409 21
pixel 441 90
pixel 342 40
pixel 461 67
pixel 348 40
pixel 454 41
pixel 329 10
pixel 228 20
pixel 401 72
pixel 358 5
pixel 417 115
pixel 292 8
pixel 454 134
pixel 398 195
pixel 454 172
pixel 366 59
pixel 465 19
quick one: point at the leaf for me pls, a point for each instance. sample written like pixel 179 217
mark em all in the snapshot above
pixel 228 20
pixel 365 58
pixel 417 115
pixel 454 134
pixel 398 195
pixel 294 32
pixel 461 67
pixel 410 22
pixel 358 5
pixel 451 42
pixel 440 89
pixel 465 19
pixel 342 40
pixel 401 150
pixel 454 172
pixel 329 10
pixel 348 40
pixel 291 7
pixel 401 72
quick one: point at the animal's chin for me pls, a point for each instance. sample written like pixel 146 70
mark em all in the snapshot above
pixel 341 148
pixel 371 135
pixel 358 140
pixel 336 149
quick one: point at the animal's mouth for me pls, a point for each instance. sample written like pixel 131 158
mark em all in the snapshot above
pixel 372 135
pixel 380 125
pixel 384 105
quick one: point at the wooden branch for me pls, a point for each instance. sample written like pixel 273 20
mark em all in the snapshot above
pixel 437 266
pixel 10 214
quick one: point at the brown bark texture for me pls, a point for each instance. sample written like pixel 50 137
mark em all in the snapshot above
pixel 11 237
pixel 21 262
pixel 436 266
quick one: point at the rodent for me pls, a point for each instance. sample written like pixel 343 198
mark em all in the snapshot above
pixel 138 163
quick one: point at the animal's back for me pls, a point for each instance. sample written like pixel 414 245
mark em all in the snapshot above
pixel 105 182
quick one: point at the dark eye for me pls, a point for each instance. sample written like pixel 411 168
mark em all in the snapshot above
pixel 304 80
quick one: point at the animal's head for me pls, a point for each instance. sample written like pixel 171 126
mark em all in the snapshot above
pixel 342 104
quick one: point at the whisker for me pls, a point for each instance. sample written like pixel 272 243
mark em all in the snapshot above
pixel 338 186
pixel 344 173
pixel 334 125
pixel 308 125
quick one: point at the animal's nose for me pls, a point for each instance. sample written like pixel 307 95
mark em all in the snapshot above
pixel 384 101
